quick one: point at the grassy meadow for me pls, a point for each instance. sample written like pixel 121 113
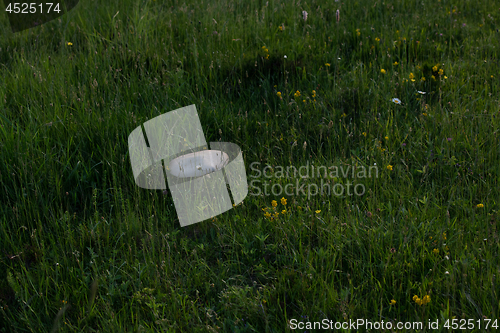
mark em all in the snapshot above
pixel 408 88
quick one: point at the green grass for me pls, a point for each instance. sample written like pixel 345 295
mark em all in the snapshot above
pixel 82 248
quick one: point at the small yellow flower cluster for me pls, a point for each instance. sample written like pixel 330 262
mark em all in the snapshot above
pixel 282 27
pixel 274 215
pixel 436 251
pixel 480 205
pixel 297 94
pixel 380 147
pixel 422 301
pixel 389 167
pixel 439 71
pixel 412 77
pixel 382 71
pixel 314 93
pixel 279 94
pixel 357 32
pixel 327 65
pixel 377 39
pixel 393 302
pixel 266 50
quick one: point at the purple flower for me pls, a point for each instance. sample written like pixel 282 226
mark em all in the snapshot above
pixel 403 144
pixel 449 139
pixel 463 24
